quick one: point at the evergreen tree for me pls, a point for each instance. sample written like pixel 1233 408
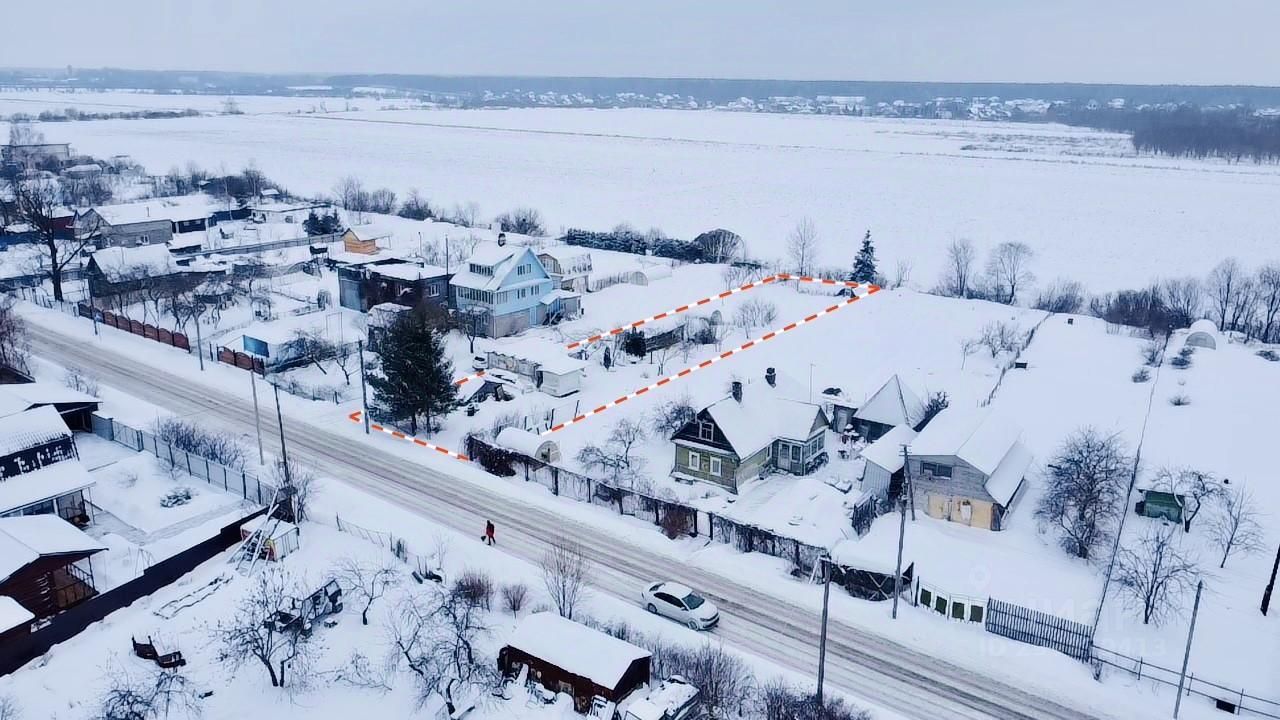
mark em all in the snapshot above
pixel 313 225
pixel 864 265
pixel 416 378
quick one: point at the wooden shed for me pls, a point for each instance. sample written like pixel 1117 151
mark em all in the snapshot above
pixel 568 657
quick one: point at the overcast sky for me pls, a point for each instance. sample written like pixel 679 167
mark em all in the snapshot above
pixel 1134 41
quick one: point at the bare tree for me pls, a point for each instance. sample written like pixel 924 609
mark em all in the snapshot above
pixel 1085 490
pixel 957 277
pixel 566 575
pixel 252 635
pixel 14 339
pixel 1155 575
pixel 1002 336
pixel 523 220
pixel 156 694
pixel 298 486
pixel 39 204
pixel 254 179
pixel 802 247
pixel 901 274
pixel 1230 290
pixel 725 682
pixel 1195 487
pixel 719 245
pixel 351 194
pixel 1008 269
pixel 368 582
pixel 615 454
pixel 382 201
pixel 9 709
pixel 1234 528
pixel 416 207
pixel 467 215
pixel 671 415
pixel 754 313
pixel 1060 296
pixel 472 321
pixel 1183 298
pixel 514 596
pixel 313 348
pixel 1268 290
pixel 434 636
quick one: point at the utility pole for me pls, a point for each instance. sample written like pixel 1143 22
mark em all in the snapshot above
pixel 1271 585
pixel 284 453
pixel 257 419
pixel 902 531
pixel 364 397
pixel 199 342
pixel 1186 656
pixel 822 640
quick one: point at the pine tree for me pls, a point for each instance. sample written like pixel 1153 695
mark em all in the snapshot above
pixel 416 378
pixel 864 265
pixel 313 225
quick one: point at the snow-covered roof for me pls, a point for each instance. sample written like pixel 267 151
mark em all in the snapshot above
pixel 409 271
pixel 383 255
pixel 370 231
pixel 32 428
pixel 85 167
pixel 27 537
pixel 550 357
pixel 555 295
pixel 279 530
pixel 576 648
pixel 522 441
pixel 12 614
pixel 48 482
pixel 887 451
pixel 762 417
pixel 46 393
pixel 893 404
pixel 565 253
pixel 284 328
pixel 1205 326
pixel 385 314
pixel 10 404
pixel 491 253
pixel 117 263
pixel 175 209
pixel 1003 483
pixel 976 436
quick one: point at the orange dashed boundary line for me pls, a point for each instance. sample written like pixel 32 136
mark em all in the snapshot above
pixel 718 358
pixel 732 291
pixel 358 415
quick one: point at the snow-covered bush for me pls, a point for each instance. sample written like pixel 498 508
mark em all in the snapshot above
pixel 1180 400
pixel 474 587
pixel 221 448
pixel 80 381
pixel 514 596
pixel 177 496
pixel 1141 375
pixel 1271 355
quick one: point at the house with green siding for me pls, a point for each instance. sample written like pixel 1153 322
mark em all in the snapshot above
pixel 748 434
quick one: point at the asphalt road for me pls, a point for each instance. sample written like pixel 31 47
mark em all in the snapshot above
pixel 860 662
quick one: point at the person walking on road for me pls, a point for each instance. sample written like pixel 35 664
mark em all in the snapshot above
pixel 488 533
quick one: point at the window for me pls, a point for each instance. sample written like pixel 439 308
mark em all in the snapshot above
pixel 695 461
pixel 706 430
pixel 433 291
pixel 524 269
pixel 936 469
pixel 715 466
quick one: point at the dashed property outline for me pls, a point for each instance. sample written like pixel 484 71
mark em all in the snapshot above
pixel 871 289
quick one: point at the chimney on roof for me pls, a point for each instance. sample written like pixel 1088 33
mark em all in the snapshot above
pixel 771 377
pixel 735 389
pixel 502 239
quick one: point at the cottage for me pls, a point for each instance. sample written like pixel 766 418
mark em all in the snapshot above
pixel 276 341
pixel 40 469
pixel 31 155
pixel 501 287
pixel 118 270
pixel 85 171
pixel 967 466
pixel 45 564
pixel 75 407
pixel 890 405
pixel 569 266
pixel 748 434
pixel 360 287
pixel 363 239
pixel 549 368
pixel 150 222
pixel 567 657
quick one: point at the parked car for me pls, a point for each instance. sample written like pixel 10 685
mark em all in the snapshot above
pixel 673 699
pixel 680 603
pixel 480 362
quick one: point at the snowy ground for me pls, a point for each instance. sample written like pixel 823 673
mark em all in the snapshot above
pixel 1080 199
pixel 34 102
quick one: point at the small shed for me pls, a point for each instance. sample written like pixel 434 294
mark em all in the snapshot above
pixel 530 444
pixel 1202 334
pixel 568 657
pixel 284 539
pixel 551 370
pixel 1161 504
pixel 882 475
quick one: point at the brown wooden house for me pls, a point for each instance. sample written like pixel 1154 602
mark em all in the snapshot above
pixel 568 657
pixel 45 563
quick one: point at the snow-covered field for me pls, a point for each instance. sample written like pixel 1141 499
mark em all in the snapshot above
pixel 34 102
pixel 1089 208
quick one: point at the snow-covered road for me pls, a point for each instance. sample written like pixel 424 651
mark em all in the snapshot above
pixel 862 663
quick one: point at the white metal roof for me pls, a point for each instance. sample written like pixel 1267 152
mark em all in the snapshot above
pixel 117 263
pixel 550 357
pixel 893 404
pixel 31 428
pixel 574 647
pixel 48 482
pixel 46 393
pixel 174 209
pixel 1009 474
pixel 409 271
pixel 522 441
pixel 370 231
pixel 25 538
pixel 762 417
pixel 887 451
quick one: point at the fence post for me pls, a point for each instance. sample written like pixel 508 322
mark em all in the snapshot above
pixel 244 486
pixel 1139 668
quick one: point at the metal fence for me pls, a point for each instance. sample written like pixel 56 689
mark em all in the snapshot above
pixel 1038 628
pixel 1233 700
pixel 231 480
pixel 674 518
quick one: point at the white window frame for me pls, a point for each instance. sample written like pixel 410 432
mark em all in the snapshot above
pixel 716 466
pixel 694 461
pixel 711 430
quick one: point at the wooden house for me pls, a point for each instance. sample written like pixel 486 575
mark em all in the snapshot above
pixel 967 466
pixel 40 469
pixel 45 564
pixel 363 239
pixel 750 433
pixel 567 657
pixel 75 407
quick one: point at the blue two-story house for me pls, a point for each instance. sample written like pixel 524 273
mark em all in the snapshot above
pixel 508 287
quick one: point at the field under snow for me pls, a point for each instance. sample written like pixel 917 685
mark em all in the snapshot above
pixel 1081 199
pixel 34 102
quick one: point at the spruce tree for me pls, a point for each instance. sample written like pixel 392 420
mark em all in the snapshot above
pixel 416 378
pixel 313 225
pixel 864 265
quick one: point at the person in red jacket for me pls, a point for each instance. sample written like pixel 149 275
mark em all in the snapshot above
pixel 488 532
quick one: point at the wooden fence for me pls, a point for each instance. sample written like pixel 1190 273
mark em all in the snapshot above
pixel 146 330
pixel 1038 628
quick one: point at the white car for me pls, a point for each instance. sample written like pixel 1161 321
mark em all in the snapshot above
pixel 680 603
